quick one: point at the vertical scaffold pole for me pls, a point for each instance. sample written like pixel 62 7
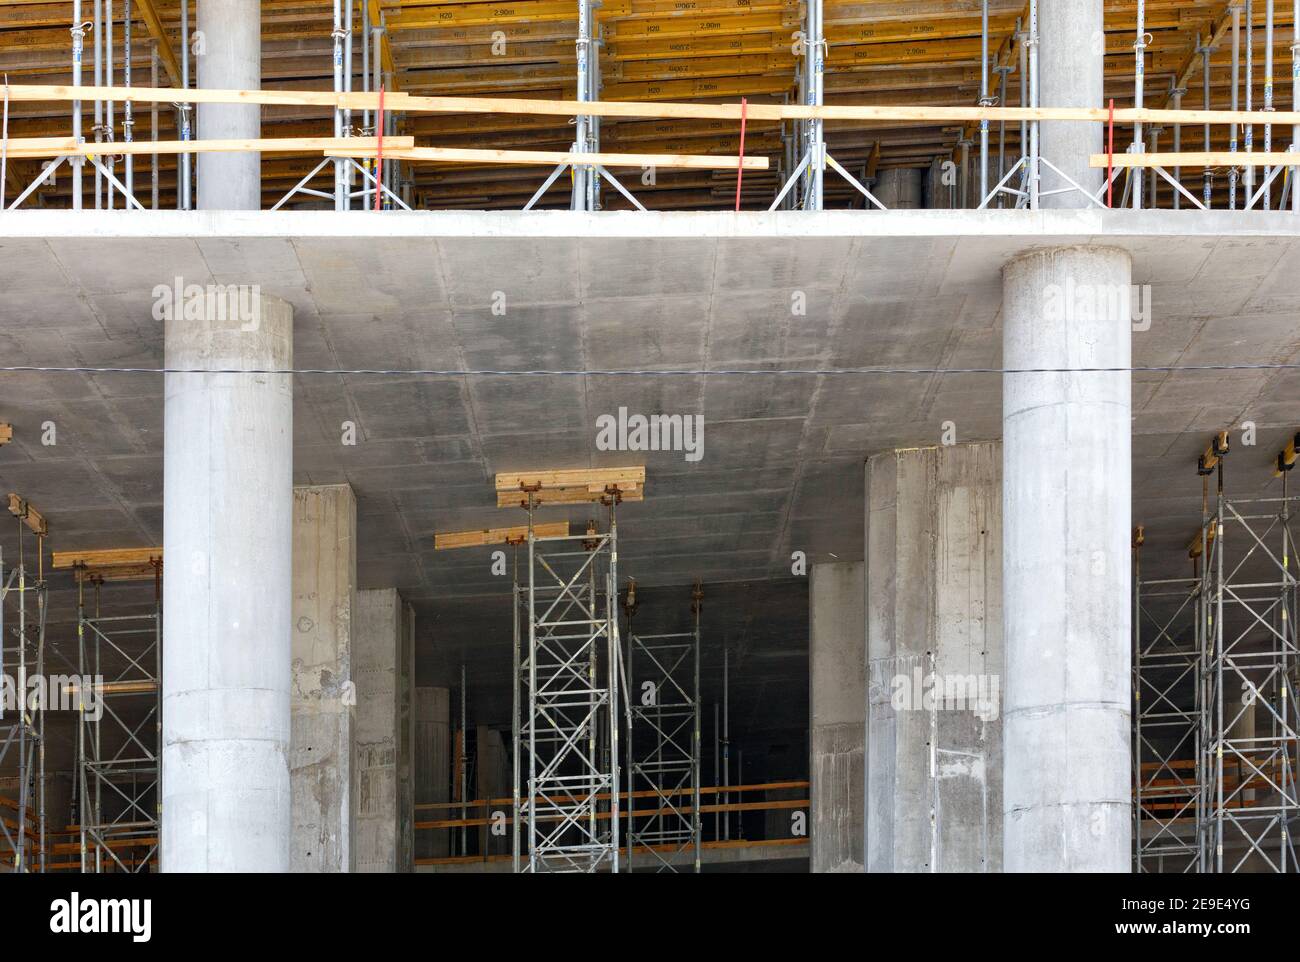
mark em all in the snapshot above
pixel 984 99
pixel 1034 177
pixel 1139 95
pixel 582 127
pixel 1295 102
pixel 186 110
pixel 78 33
pixel 340 165
pixel 1207 183
pixel 815 64
pixel 1233 173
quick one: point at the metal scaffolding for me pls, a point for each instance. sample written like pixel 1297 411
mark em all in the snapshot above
pixel 1167 776
pixel 22 723
pixel 566 695
pixel 586 178
pixel 1249 734
pixel 118 732
pixel 663 742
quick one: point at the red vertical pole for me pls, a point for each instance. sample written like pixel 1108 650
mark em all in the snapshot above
pixel 740 167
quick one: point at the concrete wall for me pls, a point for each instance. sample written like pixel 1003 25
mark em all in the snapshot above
pixel 406 744
pixel 321 748
pixel 837 704
pixel 492 771
pixel 381 651
pixel 934 593
pixel 431 763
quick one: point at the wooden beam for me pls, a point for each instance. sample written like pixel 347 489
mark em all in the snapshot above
pixel 39 147
pixel 28 515
pixel 105 558
pixel 569 477
pixel 1214 452
pixel 615 108
pixel 1286 458
pixel 6 432
pixel 580 494
pixel 1194 546
pixel 547 158
pixel 111 564
pixel 1194 158
pixel 512 535
pixel 154 24
pixel 138 687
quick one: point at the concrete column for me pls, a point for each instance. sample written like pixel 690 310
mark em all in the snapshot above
pixel 937 193
pixel 1066 569
pixel 899 188
pixel 934 640
pixel 229 58
pixel 227 495
pixel 432 711
pixel 837 702
pixel 1071 65
pixel 322 747
pixel 381 651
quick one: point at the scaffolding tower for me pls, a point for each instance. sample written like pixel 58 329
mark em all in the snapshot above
pixel 566 696
pixel 119 730
pixel 1167 756
pixel 22 724
pixel 663 742
pixel 1250 737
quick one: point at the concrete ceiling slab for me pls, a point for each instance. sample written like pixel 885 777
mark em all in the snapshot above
pixel 782 465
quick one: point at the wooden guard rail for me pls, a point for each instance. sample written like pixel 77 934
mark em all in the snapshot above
pixel 486 804
pixel 402 148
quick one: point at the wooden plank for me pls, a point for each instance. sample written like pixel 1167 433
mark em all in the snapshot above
pixel 6 432
pixel 138 687
pixel 105 558
pixel 512 535
pixel 265 145
pixel 569 477
pixel 409 103
pixel 1199 158
pixel 547 158
pixel 159 35
pixel 25 512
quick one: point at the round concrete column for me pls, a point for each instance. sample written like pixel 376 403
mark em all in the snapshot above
pixel 1071 65
pixel 899 188
pixel 227 595
pixel 1066 562
pixel 228 54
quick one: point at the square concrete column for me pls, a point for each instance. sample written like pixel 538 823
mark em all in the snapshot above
pixel 227 503
pixel 322 749
pixel 382 658
pixel 934 636
pixel 432 766
pixel 837 702
pixel 1067 562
